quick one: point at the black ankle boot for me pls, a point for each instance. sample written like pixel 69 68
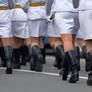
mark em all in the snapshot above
pixel 38 58
pixel 73 66
pixel 2 55
pixel 89 81
pixel 77 55
pixel 16 58
pixel 44 55
pixel 59 54
pixel 8 57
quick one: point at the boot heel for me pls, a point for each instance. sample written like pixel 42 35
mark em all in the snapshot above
pixel 39 63
pixel 8 70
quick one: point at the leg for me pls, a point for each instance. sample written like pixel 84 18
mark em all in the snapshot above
pixel 89 60
pixel 8 54
pixel 36 55
pixel 77 51
pixel 25 51
pixel 41 39
pixel 17 42
pixel 2 55
pixel 71 59
pixel 57 44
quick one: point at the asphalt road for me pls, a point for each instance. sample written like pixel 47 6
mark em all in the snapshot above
pixel 48 81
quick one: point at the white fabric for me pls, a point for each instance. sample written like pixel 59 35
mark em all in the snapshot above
pixel 53 30
pixel 63 5
pixel 5 20
pixel 17 13
pixel 19 29
pixel 85 18
pixel 37 28
pixel 38 12
pixel 67 22
pixel 4 16
pixel 19 21
pixel 3 3
pixel 5 30
pixel 85 4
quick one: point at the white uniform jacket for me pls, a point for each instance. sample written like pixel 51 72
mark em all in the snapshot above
pixel 36 12
pixel 4 13
pixel 18 14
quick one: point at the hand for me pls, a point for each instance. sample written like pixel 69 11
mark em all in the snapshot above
pixel 52 16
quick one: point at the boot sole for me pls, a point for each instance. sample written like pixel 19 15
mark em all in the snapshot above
pixel 32 67
pixel 89 83
pixel 73 81
pixel 9 71
pixel 39 64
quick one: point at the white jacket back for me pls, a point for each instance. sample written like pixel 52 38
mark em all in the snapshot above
pixel 64 5
pixel 37 12
pixel 85 4
pixel 4 14
pixel 18 14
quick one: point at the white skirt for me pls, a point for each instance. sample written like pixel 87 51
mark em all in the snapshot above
pixel 5 30
pixel 5 24
pixel 85 18
pixel 37 28
pixel 20 29
pixel 67 22
pixel 52 30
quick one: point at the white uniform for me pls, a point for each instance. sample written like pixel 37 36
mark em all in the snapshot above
pixel 5 20
pixel 52 29
pixel 85 17
pixel 66 17
pixel 37 18
pixel 19 20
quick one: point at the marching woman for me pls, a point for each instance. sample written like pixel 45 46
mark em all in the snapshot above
pixel 55 40
pixel 57 44
pixel 85 11
pixel 5 33
pixel 66 18
pixel 19 30
pixel 36 22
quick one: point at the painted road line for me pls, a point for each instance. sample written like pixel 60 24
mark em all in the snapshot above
pixel 45 73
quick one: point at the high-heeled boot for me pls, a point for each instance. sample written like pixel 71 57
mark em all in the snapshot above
pixel 77 55
pixel 8 57
pixel 16 58
pixel 59 54
pixel 73 66
pixel 38 58
pixel 89 81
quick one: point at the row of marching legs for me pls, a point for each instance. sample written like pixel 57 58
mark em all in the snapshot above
pixel 15 58
pixel 34 55
pixel 69 62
